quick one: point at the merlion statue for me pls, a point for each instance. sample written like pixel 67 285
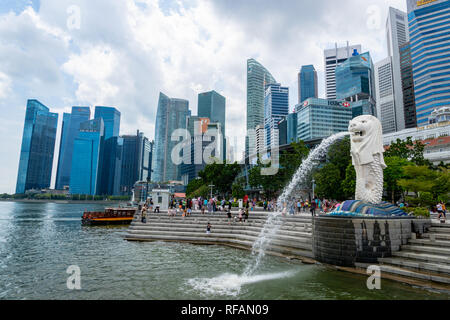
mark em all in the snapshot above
pixel 367 157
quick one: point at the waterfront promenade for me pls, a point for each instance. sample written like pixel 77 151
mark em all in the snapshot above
pixel 423 262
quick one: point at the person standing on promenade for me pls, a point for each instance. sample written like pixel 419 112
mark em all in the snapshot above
pixel 441 212
pixel 208 228
pixel 313 208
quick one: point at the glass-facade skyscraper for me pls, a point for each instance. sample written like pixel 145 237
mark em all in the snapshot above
pixel 429 25
pixel 307 83
pixel 38 146
pixel 87 158
pixel 276 108
pixel 111 120
pixel 321 118
pixel 136 161
pixel 409 98
pixel 211 105
pixel 70 128
pixel 334 57
pixel 257 79
pixel 171 115
pixel 355 82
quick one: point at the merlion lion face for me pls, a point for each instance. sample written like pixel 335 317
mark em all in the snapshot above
pixel 362 128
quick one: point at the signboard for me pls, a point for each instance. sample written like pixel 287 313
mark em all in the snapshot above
pixel 424 2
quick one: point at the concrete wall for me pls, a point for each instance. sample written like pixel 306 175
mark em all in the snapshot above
pixel 343 241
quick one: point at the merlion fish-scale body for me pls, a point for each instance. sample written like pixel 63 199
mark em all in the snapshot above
pixel 367 157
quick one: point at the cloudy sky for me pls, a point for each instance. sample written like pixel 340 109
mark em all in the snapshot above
pixel 122 53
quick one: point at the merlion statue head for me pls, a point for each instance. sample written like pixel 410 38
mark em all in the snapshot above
pixel 366 139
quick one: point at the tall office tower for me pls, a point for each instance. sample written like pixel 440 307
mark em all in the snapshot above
pixel 136 161
pixel 111 167
pixel 171 115
pixel 111 120
pixel 87 158
pixel 38 146
pixel 211 105
pixel 276 107
pixel 429 26
pixel 260 140
pixel 385 95
pixel 397 35
pixel 307 83
pixel 257 79
pixel 193 161
pixel 321 118
pixel 334 57
pixel 409 98
pixel 355 83
pixel 70 128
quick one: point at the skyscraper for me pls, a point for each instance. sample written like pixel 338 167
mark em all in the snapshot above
pixel 171 115
pixel 334 57
pixel 111 167
pixel 38 146
pixel 355 83
pixel 321 118
pixel 409 98
pixel 430 50
pixel 257 79
pixel 70 128
pixel 384 80
pixel 136 161
pixel 307 83
pixel 397 35
pixel 211 105
pixel 87 158
pixel 276 107
pixel 111 120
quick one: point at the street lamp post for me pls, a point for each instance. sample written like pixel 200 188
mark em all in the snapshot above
pixel 313 184
pixel 211 186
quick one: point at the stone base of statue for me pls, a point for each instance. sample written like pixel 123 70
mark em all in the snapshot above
pixel 358 208
pixel 360 232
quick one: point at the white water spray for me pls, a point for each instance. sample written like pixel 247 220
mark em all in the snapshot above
pixel 228 284
pixel 274 220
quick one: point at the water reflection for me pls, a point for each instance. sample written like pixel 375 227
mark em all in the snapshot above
pixel 39 241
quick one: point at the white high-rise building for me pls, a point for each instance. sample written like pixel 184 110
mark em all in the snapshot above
pixel 260 139
pixel 333 57
pixel 397 34
pixel 385 95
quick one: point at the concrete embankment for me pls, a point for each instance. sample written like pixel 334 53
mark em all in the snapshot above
pixel 293 239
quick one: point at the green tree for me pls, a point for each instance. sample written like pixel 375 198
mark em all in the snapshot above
pixel 237 191
pixel 329 182
pixel 221 176
pixel 409 150
pixel 393 173
pixel 349 183
pixel 418 179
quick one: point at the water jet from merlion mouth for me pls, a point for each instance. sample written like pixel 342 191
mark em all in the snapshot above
pixel 274 221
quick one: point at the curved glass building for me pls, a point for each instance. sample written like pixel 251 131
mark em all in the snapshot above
pixel 171 115
pixel 257 79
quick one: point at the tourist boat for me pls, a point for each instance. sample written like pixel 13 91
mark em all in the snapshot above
pixel 111 216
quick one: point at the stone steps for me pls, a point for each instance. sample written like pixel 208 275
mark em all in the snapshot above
pixel 433 258
pixel 254 231
pixel 294 238
pixel 414 274
pixel 437 236
pixel 415 265
pixel 427 249
pixel 426 259
pixel 429 242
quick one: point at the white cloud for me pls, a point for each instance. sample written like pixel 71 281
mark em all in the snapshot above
pixel 126 52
